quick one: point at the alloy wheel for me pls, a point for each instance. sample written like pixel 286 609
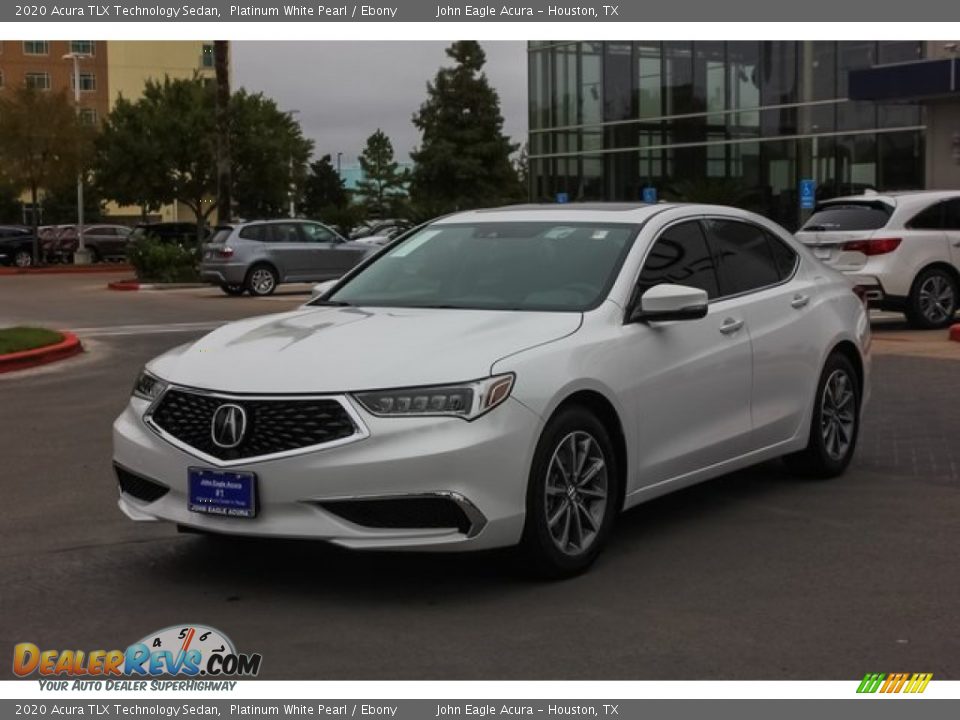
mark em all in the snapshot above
pixel 838 414
pixel 937 299
pixel 262 281
pixel 23 259
pixel 576 493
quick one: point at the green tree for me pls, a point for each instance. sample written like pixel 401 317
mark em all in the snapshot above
pixel 163 147
pixel 269 156
pixel 323 188
pixel 383 186
pixel 41 141
pixel 169 138
pixel 60 203
pixel 464 158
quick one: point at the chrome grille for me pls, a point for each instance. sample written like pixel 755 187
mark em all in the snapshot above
pixel 274 425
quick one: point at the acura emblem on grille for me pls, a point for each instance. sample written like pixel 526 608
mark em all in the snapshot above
pixel 228 426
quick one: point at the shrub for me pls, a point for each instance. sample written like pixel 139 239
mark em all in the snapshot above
pixel 156 261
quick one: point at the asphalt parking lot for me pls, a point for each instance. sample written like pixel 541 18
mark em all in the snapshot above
pixel 757 575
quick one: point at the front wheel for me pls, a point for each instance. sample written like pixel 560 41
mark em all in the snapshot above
pixel 573 495
pixel 933 299
pixel 835 424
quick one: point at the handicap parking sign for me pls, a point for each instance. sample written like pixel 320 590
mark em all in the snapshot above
pixel 649 194
pixel 563 198
pixel 808 194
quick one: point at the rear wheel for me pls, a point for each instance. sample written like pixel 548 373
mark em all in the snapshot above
pixel 262 280
pixel 233 290
pixel 573 495
pixel 835 423
pixel 933 299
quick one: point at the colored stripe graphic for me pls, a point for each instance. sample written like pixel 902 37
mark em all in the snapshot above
pixel 894 683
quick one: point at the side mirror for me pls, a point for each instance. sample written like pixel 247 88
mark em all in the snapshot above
pixel 667 302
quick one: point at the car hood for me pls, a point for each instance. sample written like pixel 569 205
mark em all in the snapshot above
pixel 334 349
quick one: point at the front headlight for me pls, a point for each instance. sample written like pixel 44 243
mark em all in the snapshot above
pixel 148 387
pixel 467 400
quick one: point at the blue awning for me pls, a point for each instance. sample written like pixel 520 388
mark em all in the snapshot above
pixel 911 81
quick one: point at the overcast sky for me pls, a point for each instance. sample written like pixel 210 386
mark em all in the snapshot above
pixel 346 90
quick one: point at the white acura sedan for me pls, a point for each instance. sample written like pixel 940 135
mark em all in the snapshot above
pixel 509 376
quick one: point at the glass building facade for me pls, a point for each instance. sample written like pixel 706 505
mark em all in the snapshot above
pixel 728 122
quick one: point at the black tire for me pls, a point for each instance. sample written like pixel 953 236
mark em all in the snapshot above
pixel 233 290
pixel 826 455
pixel 542 540
pixel 257 283
pixel 933 299
pixel 23 258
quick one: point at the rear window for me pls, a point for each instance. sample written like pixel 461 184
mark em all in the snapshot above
pixel 221 235
pixel 849 216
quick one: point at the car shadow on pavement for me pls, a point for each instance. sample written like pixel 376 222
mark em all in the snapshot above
pixel 317 569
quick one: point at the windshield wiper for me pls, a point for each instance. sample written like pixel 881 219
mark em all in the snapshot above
pixel 819 228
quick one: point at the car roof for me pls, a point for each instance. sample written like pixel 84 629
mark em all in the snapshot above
pixel 612 212
pixel 899 198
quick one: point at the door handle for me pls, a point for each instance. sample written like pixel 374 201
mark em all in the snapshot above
pixel 730 325
pixel 799 301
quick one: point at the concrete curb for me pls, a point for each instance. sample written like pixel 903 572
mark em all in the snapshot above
pixel 955 332
pixel 136 285
pixel 67 269
pixel 68 347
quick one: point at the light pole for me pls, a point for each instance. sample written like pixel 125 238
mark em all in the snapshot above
pixel 82 256
pixel 339 155
pixel 293 188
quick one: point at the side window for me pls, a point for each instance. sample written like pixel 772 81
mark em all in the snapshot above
pixel 317 233
pixel 929 219
pixel 285 233
pixel 743 257
pixel 784 256
pixel 252 232
pixel 951 214
pixel 680 256
pixel 105 231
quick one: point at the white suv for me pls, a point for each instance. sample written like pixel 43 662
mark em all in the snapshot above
pixel 903 248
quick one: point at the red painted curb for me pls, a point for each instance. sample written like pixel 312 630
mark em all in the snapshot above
pixel 66 270
pixel 69 346
pixel 955 332
pixel 124 285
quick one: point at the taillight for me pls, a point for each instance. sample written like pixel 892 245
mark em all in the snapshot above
pixel 225 252
pixel 874 246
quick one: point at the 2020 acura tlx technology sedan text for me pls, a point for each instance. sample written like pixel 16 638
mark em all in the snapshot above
pixel 508 376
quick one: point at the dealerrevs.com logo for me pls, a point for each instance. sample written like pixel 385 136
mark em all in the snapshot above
pixel 887 683
pixel 179 650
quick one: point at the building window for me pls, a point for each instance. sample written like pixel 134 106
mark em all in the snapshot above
pixel 206 57
pixel 83 47
pixel 36 47
pixel 37 80
pixel 88 116
pixel 88 82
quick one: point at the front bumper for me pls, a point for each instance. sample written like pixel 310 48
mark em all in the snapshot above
pixel 480 465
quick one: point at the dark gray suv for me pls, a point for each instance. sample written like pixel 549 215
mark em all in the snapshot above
pixel 257 256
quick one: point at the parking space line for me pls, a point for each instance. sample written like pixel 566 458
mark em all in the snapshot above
pixel 117 330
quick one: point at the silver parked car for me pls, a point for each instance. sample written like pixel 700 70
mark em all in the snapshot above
pixel 257 256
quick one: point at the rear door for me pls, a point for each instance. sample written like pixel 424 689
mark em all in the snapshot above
pixel 294 256
pixel 761 275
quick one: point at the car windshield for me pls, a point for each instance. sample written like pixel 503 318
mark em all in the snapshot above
pixel 559 267
pixel 849 216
